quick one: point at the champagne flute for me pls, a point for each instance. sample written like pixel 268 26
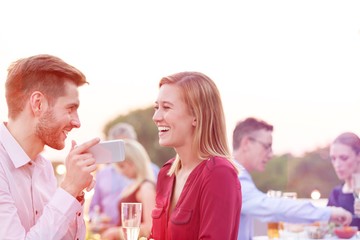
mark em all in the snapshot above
pixel 130 220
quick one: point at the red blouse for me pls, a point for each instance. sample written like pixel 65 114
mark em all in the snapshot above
pixel 208 207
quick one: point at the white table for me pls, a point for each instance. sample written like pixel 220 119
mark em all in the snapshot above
pixel 334 238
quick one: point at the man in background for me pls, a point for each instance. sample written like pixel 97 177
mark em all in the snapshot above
pixel 252 149
pixel 110 181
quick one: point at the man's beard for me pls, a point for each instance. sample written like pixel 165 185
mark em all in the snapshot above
pixel 49 131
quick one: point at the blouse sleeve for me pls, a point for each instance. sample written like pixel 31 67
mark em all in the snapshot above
pixel 220 204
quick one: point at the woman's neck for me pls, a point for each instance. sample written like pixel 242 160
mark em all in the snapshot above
pixel 188 159
pixel 347 187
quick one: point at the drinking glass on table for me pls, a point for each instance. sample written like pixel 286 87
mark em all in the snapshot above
pixel 356 192
pixel 292 195
pixel 290 230
pixel 131 219
pixel 273 227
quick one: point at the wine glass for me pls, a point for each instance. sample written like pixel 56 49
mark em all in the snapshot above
pixel 130 220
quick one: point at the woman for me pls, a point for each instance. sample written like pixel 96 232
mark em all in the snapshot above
pixel 136 166
pixel 345 158
pixel 198 193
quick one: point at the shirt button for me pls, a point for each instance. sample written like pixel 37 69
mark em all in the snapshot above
pixel 79 214
pixel 36 212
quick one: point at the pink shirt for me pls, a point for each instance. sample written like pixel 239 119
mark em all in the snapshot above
pixel 208 207
pixel 31 204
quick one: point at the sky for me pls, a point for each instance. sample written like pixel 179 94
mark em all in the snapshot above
pixel 294 64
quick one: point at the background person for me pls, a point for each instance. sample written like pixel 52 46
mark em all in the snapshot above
pixel 42 98
pixel 345 158
pixel 122 130
pixel 110 182
pixel 252 149
pixel 136 166
pixel 197 194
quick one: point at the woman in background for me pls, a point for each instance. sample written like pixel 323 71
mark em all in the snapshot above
pixel 198 194
pixel 345 158
pixel 136 166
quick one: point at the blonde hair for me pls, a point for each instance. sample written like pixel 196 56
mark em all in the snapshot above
pixel 203 99
pixel 136 153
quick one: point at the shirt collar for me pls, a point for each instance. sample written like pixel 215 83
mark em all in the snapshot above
pixel 243 170
pixel 239 165
pixel 12 147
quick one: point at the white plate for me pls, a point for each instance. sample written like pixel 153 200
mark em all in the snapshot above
pixel 260 238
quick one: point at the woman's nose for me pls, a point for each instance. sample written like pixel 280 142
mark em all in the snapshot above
pixel 156 116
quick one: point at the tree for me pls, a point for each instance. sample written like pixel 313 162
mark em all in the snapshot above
pixel 276 174
pixel 313 171
pixel 299 174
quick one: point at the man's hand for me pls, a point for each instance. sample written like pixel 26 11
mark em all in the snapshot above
pixel 79 166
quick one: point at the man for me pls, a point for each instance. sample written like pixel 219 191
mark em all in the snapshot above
pixel 110 182
pixel 42 99
pixel 252 149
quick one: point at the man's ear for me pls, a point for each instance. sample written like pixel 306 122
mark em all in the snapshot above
pixel 37 103
pixel 245 141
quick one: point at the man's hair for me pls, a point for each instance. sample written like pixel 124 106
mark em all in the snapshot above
pixel 44 73
pixel 246 127
pixel 122 130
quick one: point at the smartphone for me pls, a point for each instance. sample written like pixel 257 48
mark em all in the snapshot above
pixel 108 151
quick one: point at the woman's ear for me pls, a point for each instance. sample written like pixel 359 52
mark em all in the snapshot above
pixel 194 122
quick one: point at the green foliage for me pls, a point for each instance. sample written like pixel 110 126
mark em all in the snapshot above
pixel 141 120
pixel 313 171
pixel 299 174
pixel 276 174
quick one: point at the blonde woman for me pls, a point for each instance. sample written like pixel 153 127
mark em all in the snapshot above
pixel 136 166
pixel 198 193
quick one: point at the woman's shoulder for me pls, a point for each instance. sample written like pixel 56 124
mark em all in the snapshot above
pixel 337 189
pixel 335 193
pixel 147 183
pixel 220 167
pixel 220 171
pixel 147 186
pixel 217 162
